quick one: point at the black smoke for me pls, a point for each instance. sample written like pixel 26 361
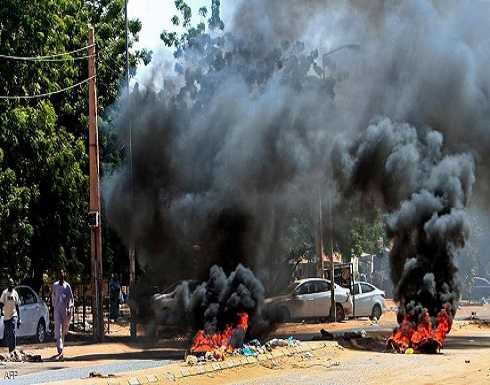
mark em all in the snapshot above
pixel 424 194
pixel 215 303
pixel 219 181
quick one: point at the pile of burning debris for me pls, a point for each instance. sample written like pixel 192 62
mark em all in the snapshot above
pixel 250 349
pixel 419 332
pixel 212 345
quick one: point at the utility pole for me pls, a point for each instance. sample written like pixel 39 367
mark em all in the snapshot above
pixel 319 241
pixel 94 214
pixel 132 260
pixel 333 310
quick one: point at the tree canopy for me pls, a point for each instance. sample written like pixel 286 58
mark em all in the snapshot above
pixel 44 132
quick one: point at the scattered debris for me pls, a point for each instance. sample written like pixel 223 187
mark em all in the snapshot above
pixel 95 374
pixel 191 360
pixel 20 356
pixel 353 335
pixel 33 357
pixel 325 335
pixel 308 355
pixel 251 349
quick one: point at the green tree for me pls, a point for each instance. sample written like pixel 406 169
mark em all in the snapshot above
pixel 359 230
pixel 15 228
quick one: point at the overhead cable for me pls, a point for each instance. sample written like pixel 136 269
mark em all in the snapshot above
pixel 49 60
pixel 50 57
pixel 118 73
pixel 48 93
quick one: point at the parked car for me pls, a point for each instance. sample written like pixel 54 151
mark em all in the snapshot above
pixel 309 298
pixel 34 314
pixel 163 301
pixel 369 301
pixel 476 288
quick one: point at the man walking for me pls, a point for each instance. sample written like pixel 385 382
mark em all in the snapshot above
pixel 11 314
pixel 62 302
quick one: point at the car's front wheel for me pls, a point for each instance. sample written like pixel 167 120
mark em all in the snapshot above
pixel 284 315
pixel 40 331
pixel 339 313
pixel 376 312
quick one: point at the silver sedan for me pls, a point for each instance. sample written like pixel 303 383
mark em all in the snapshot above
pixel 34 314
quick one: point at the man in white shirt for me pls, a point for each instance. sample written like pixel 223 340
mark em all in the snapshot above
pixel 62 302
pixel 11 314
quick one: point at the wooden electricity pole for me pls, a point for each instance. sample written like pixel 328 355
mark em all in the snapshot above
pixel 132 259
pixel 94 215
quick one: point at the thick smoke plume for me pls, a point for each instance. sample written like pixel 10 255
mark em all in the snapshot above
pixel 215 303
pixel 224 164
pixel 424 193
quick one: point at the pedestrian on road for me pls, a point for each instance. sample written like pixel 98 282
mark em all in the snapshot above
pixel 62 302
pixel 11 314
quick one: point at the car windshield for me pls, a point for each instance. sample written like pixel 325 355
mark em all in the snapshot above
pixel 289 289
pixel 171 288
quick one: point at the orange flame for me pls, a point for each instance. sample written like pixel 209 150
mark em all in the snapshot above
pixel 421 336
pixel 218 342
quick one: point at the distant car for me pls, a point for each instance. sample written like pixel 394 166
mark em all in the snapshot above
pixel 369 301
pixel 309 298
pixel 34 314
pixel 163 301
pixel 476 288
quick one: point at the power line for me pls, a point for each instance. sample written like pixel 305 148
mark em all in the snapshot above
pixel 48 93
pixel 48 60
pixel 109 67
pixel 49 57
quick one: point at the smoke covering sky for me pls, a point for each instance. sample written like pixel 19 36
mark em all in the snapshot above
pixel 407 130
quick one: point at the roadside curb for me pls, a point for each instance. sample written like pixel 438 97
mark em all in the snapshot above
pixel 175 371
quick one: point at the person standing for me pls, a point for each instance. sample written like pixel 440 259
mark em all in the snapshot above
pixel 115 297
pixel 62 302
pixel 11 314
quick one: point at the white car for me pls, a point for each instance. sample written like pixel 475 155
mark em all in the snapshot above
pixel 34 314
pixel 162 302
pixel 309 298
pixel 369 301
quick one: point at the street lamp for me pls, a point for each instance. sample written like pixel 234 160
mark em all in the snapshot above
pixel 348 46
